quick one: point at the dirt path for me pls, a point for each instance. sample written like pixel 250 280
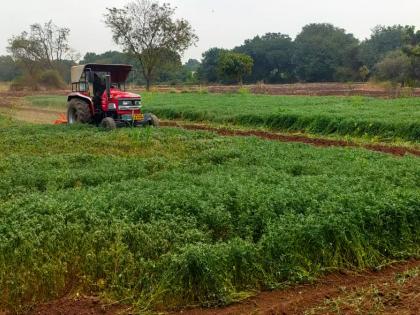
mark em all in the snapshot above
pixel 15 107
pixel 392 290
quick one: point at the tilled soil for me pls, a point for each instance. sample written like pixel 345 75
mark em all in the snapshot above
pixel 78 306
pixel 303 89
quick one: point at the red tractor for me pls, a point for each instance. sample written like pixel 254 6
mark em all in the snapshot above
pixel 99 97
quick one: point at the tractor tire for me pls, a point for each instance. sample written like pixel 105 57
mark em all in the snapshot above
pixel 154 121
pixel 108 123
pixel 78 112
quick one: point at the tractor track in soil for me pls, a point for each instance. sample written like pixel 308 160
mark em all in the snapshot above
pixel 396 297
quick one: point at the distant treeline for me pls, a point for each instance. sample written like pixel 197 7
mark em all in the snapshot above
pixel 320 53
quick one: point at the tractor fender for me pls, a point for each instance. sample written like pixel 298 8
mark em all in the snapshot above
pixel 83 97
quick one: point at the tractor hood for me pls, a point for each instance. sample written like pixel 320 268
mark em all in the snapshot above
pixel 117 94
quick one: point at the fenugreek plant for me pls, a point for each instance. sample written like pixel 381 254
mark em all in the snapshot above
pixel 168 218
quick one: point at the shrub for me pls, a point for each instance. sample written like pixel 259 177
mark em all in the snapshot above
pixel 51 79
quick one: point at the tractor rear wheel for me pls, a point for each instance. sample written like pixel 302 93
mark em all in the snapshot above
pixel 78 112
pixel 108 123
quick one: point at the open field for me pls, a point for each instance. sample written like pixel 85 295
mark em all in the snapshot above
pixel 189 218
pixel 358 116
pixel 384 120
pixel 162 219
pixel 370 89
pixel 4 86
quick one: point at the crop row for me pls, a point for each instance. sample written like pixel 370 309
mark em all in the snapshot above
pixel 167 218
pixel 356 116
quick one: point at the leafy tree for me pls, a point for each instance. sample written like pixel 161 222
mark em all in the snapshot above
pixel 9 70
pixel 395 67
pixel 323 49
pixel 208 71
pixel 272 55
pixel 192 65
pixel 364 73
pixel 109 57
pixel 190 71
pixel 235 66
pixel 383 40
pixel 148 30
pixel 412 50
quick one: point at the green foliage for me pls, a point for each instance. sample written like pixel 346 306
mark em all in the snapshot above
pixel 109 57
pixel 364 73
pixel 383 40
pixel 395 67
pixel 51 79
pixel 272 54
pixel 358 116
pixel 189 217
pixel 235 66
pixel 322 51
pixel 208 71
pixel 9 70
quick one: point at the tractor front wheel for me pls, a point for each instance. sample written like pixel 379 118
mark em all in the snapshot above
pixel 153 121
pixel 78 112
pixel 108 123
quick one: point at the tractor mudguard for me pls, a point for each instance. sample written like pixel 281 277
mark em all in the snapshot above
pixel 85 98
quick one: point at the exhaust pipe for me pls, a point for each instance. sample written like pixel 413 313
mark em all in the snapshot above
pixel 108 85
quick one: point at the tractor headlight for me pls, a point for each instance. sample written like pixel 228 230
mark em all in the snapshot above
pixel 137 103
pixel 112 106
pixel 126 103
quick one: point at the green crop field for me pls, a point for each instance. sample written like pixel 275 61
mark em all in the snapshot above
pixel 165 218
pixel 356 116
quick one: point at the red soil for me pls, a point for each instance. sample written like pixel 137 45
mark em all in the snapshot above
pixel 306 89
pixel 77 306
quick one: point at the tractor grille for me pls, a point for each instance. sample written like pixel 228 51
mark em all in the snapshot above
pixel 129 104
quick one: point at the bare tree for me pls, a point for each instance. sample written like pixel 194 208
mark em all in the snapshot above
pixel 148 30
pixel 45 44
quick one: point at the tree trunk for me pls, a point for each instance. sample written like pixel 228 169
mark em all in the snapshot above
pixel 149 76
pixel 148 84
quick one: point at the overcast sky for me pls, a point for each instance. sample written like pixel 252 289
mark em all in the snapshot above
pixel 218 23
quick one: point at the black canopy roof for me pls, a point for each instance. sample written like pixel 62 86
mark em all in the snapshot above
pixel 119 73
